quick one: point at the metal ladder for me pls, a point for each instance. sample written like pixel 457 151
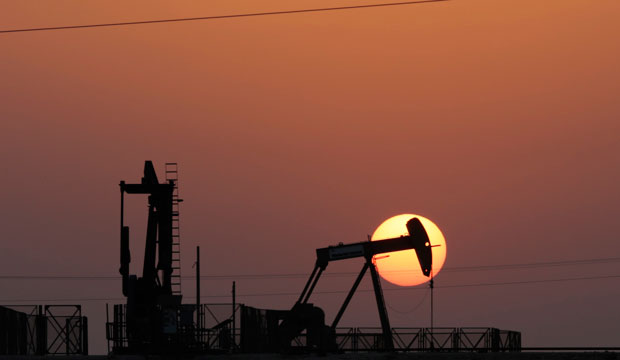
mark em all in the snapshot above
pixel 172 173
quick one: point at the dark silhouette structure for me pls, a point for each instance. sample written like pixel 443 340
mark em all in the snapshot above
pixel 43 330
pixel 151 311
pixel 153 320
pixel 305 317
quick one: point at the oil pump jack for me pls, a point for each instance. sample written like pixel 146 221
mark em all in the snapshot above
pixel 306 316
pixel 151 304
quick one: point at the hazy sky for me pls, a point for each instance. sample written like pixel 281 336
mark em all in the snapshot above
pixel 497 119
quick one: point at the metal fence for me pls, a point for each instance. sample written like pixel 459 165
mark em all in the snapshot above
pixel 217 328
pixel 259 329
pixel 213 328
pixel 13 332
pixel 424 339
pixel 43 330
pixel 471 339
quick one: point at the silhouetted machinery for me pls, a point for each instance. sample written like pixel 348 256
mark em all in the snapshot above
pixel 304 316
pixel 151 311
pixel 153 321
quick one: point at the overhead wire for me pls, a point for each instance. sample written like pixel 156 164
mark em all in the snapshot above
pixel 496 267
pixel 523 282
pixel 414 308
pixel 219 17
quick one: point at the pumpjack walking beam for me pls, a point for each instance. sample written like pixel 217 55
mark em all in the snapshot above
pixel 417 240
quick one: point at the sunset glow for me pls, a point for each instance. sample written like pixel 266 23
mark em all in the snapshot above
pixel 402 267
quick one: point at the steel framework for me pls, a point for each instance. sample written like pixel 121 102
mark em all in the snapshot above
pixel 259 329
pixel 208 330
pixel 477 339
pixel 43 330
pixel 359 339
pixel 214 328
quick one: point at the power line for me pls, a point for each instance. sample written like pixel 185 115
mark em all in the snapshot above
pixel 533 265
pixel 438 287
pixel 523 282
pixel 414 308
pixel 497 267
pixel 216 17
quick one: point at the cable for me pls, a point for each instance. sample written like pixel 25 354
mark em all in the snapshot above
pixel 335 274
pixel 530 281
pixel 216 17
pixel 535 265
pixel 524 282
pixel 412 309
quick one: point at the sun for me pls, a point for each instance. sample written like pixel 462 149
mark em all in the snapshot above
pixel 402 267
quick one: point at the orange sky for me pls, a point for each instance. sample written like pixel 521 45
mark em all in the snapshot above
pixel 498 120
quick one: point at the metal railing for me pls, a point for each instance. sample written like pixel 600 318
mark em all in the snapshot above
pixel 476 339
pixel 210 329
pixel 43 330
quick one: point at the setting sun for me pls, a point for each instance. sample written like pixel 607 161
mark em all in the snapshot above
pixel 402 267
